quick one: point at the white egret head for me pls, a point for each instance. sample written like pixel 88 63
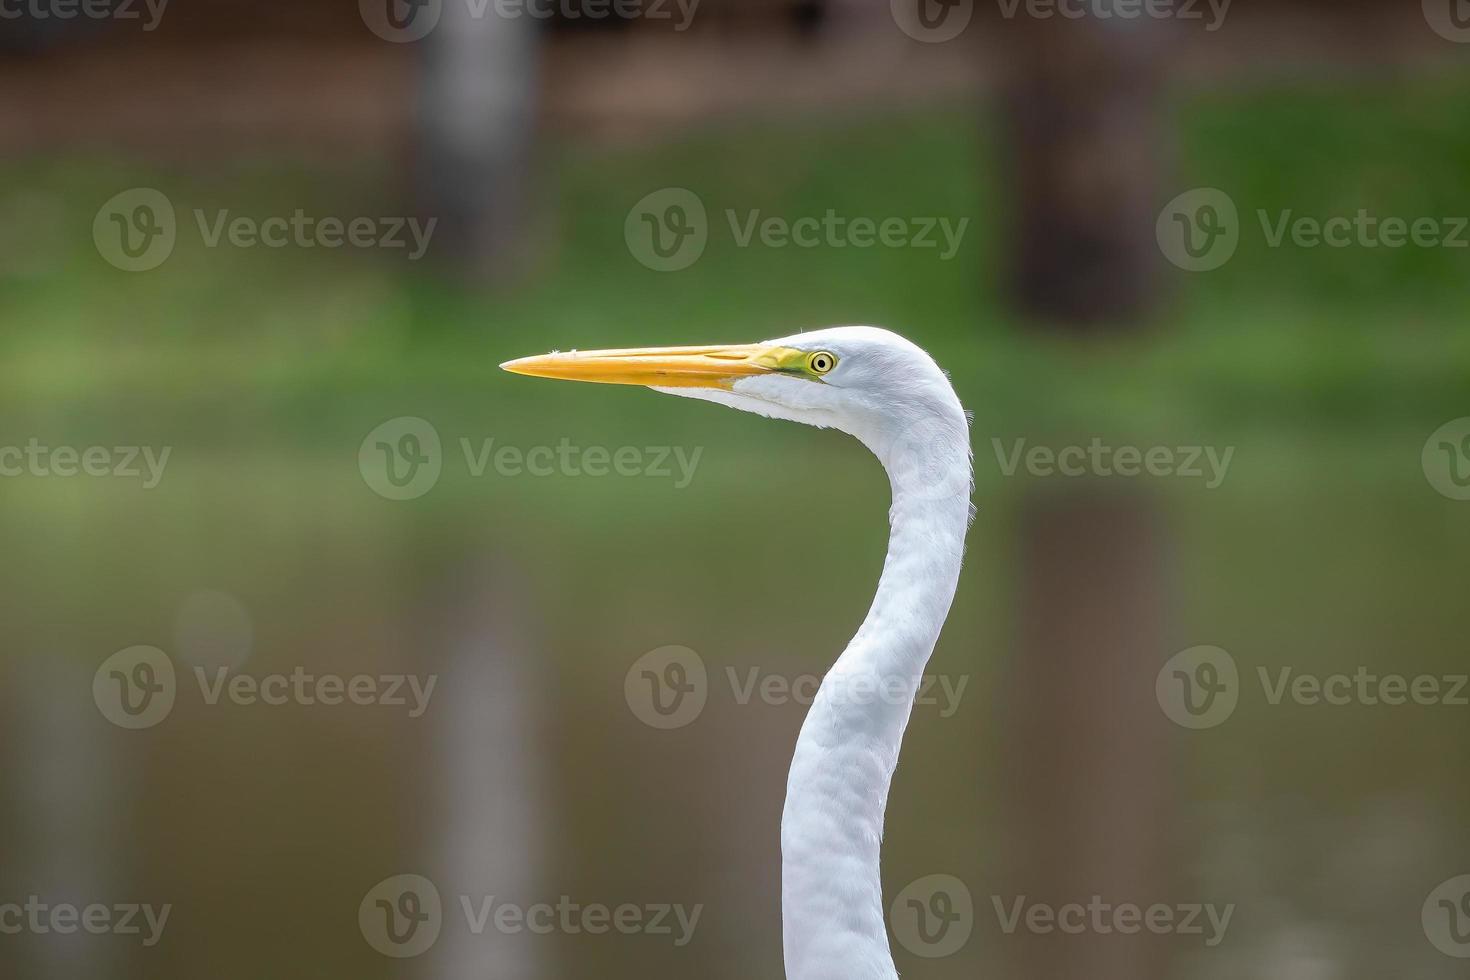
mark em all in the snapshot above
pixel 866 381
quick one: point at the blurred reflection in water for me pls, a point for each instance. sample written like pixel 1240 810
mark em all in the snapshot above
pixel 529 778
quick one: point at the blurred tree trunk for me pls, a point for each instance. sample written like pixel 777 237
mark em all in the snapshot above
pixel 493 816
pixel 1090 757
pixel 478 120
pixel 1082 129
pixel 1090 778
pixel 68 790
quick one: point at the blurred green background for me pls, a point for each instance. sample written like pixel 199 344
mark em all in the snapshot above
pixel 1325 549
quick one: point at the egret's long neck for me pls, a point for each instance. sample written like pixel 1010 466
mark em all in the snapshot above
pixel 831 830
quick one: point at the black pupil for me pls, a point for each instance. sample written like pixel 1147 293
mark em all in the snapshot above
pixel 820 363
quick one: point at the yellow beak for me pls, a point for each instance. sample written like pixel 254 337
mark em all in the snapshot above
pixel 670 367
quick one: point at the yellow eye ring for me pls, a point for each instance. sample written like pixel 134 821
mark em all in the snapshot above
pixel 820 362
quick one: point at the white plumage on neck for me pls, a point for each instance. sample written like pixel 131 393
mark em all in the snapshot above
pixel 832 827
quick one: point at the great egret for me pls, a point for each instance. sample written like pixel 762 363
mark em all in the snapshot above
pixel 886 391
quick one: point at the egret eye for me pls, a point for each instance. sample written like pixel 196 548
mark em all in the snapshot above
pixel 821 362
